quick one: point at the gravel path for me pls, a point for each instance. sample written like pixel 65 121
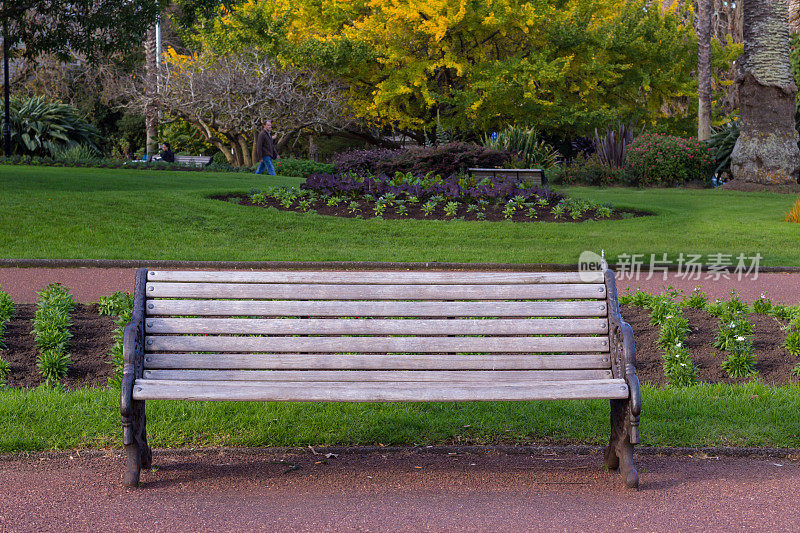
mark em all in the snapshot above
pixel 88 284
pixel 221 490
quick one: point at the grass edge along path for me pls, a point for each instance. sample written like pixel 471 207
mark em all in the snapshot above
pixel 752 414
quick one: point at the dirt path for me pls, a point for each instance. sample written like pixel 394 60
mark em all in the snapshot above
pixel 217 490
pixel 88 284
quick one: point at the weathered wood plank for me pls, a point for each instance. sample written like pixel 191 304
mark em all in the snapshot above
pixel 375 309
pixel 228 361
pixel 375 344
pixel 435 376
pixel 328 326
pixel 371 277
pixel 289 291
pixel 144 389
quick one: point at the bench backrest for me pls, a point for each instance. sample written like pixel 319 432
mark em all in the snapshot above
pixel 503 321
pixel 196 160
pixel 533 175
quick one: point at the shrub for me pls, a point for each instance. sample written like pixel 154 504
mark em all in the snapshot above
pixel 116 304
pixel 302 168
pixel 591 170
pixel 794 213
pixel 530 149
pixel 5 372
pixel 792 343
pixel 78 153
pixel 443 159
pixel 637 298
pixel 119 304
pixel 679 367
pixel 39 127
pixel 612 148
pixel 697 299
pixel 762 305
pixel 6 312
pixel 722 141
pixel 740 362
pixel 666 160
pixel 184 137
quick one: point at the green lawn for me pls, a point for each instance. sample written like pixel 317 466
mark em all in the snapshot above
pixel 118 214
pixel 706 415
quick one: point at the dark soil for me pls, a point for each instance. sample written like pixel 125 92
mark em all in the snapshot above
pixel 92 340
pixel 774 362
pixel 746 186
pixel 493 213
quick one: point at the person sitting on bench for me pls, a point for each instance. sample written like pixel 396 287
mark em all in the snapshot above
pixel 167 154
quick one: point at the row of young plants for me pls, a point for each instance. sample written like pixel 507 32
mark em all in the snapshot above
pixel 734 334
pixel 51 324
pixel 120 306
pixel 407 196
pixel 667 313
pixel 7 309
pixel 764 306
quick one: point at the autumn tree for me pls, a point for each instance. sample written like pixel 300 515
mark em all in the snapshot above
pixel 766 151
pixel 473 65
pixel 228 98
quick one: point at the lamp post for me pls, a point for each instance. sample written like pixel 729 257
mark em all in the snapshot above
pixel 6 88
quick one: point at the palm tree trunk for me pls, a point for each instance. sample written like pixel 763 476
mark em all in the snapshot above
pixel 766 151
pixel 151 92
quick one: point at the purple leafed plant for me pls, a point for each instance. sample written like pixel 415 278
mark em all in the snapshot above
pixel 458 187
pixel 444 159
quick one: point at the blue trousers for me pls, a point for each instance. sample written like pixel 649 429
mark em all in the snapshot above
pixel 266 163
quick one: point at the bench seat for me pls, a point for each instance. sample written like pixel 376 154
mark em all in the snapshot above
pixel 368 336
pixel 405 389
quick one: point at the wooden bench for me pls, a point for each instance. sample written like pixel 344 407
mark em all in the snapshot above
pixel 378 336
pixel 534 175
pixel 196 160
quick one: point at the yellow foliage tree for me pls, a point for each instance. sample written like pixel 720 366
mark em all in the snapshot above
pixel 471 65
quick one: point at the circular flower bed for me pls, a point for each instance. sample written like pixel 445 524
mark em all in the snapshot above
pixel 431 197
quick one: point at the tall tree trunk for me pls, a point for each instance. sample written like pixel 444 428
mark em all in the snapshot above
pixel 766 151
pixel 704 8
pixel 151 92
pixel 313 149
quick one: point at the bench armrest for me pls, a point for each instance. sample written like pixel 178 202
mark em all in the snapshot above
pixel 133 346
pixel 623 352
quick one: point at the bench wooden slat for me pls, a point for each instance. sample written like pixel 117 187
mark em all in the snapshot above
pixel 288 291
pixel 402 376
pixel 370 277
pixel 375 344
pixel 144 389
pixel 229 361
pixel 327 326
pixel 375 309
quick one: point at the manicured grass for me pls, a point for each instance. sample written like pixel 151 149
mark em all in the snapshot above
pixel 119 214
pixel 705 415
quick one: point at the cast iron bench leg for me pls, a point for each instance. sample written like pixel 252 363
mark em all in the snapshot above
pixel 619 454
pixel 138 453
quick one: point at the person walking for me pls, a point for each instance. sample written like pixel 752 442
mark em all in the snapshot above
pixel 265 149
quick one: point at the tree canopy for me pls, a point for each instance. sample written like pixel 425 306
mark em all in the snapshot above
pixel 469 65
pixel 90 27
